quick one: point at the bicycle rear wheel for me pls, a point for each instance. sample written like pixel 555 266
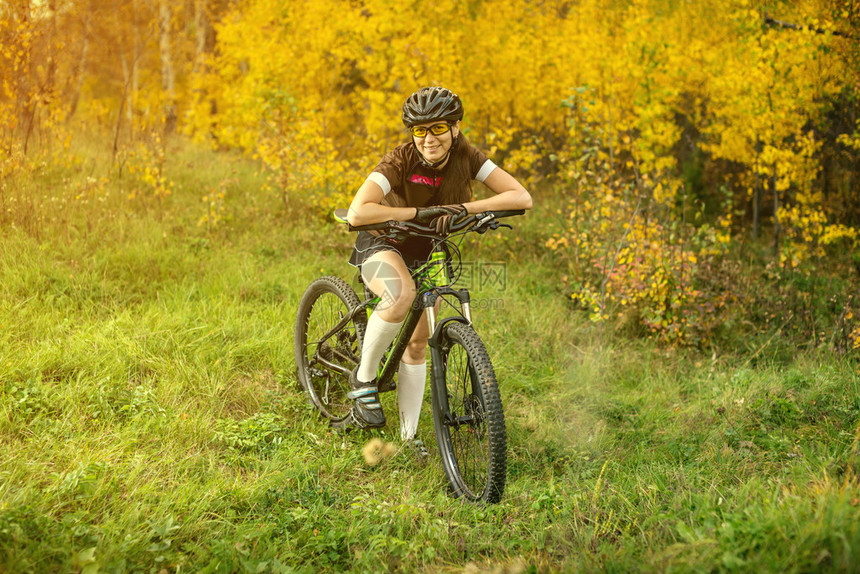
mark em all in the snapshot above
pixel 468 416
pixel 325 352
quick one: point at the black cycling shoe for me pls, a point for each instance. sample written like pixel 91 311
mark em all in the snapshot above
pixel 366 410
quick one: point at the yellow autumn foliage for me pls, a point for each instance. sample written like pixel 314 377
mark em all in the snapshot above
pixel 317 85
pixel 638 112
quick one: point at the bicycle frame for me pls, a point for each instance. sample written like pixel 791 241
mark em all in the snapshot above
pixel 425 302
pixel 466 404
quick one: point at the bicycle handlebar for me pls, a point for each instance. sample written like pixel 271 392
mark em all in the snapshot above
pixel 475 220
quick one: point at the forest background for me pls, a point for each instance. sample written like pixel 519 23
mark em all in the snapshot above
pixel 696 168
pixel 669 131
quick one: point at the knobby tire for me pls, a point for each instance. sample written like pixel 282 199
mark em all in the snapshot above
pixel 325 302
pixel 471 438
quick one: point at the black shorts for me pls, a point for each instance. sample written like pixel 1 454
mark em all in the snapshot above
pixel 414 250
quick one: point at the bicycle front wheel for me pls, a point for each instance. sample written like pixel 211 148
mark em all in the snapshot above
pixel 327 346
pixel 468 416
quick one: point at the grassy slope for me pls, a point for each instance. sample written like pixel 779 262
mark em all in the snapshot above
pixel 149 416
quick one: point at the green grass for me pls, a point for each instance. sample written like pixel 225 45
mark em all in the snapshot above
pixel 150 419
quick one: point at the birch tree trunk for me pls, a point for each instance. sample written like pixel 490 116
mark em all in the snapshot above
pixel 48 87
pixel 776 226
pixel 135 73
pixel 201 20
pixel 81 68
pixel 168 77
pixel 26 97
pixel 756 207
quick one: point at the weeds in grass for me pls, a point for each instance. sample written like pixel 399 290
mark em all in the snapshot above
pixel 150 419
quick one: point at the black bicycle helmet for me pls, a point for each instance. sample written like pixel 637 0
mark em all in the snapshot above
pixel 433 103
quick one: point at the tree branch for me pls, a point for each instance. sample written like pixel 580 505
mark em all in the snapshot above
pixel 788 25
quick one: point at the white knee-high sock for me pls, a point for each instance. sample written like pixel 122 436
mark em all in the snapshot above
pixel 377 337
pixel 410 395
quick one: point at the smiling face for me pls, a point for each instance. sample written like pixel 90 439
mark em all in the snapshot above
pixel 435 147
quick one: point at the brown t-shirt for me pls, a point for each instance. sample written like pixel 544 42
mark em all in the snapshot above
pixel 413 184
pixel 405 181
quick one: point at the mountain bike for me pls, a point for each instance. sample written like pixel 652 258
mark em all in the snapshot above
pixel 467 408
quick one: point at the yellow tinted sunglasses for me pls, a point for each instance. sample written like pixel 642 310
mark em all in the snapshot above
pixel 435 129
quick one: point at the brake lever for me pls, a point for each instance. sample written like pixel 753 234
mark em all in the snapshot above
pixel 486 224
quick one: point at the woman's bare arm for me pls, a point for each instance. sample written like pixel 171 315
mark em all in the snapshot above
pixel 510 194
pixel 366 209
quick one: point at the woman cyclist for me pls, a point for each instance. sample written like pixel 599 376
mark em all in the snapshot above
pixel 426 180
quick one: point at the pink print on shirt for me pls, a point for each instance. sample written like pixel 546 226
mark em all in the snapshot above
pixel 432 181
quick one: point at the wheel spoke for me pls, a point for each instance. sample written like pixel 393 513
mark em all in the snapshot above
pixel 467 429
pixel 324 357
pixel 471 430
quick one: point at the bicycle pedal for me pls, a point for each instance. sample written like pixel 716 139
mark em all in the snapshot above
pixel 352 422
pixel 345 424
